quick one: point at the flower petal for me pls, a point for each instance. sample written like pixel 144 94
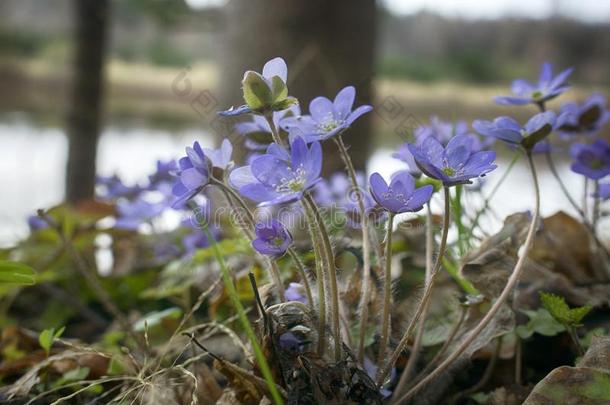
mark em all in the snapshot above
pixel 344 101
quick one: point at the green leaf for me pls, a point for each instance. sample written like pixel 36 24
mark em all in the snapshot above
pixel 257 93
pixel 48 336
pixel 284 104
pixel 279 90
pixel 16 273
pixel 76 374
pixel 46 339
pixel 541 322
pixel 560 310
pixel 115 366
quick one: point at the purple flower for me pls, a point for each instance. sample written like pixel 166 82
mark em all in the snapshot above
pixel 547 88
pixel 36 223
pixel 509 130
pixel 266 92
pixel 327 118
pixel 111 187
pixel 131 214
pixel 454 164
pixel 592 161
pixel 193 175
pixel 603 192
pixel 294 292
pixel 587 117
pixel 163 173
pixel 403 153
pixel 220 157
pixel 400 195
pixel 338 193
pixel 272 238
pixel 443 131
pixel 279 176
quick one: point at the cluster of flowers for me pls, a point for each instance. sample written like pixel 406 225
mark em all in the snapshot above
pixel 281 172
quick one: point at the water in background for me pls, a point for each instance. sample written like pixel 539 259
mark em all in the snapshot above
pixel 32 165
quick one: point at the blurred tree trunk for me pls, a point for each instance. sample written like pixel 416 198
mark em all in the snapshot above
pixel 85 105
pixel 326 44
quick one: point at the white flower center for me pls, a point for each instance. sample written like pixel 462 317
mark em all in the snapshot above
pixel 294 183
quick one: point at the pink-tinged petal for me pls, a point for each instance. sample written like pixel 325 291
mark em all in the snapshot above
pixel 344 101
pixel 320 109
pixel 276 67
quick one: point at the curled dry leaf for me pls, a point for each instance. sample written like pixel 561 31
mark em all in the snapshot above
pixel 588 383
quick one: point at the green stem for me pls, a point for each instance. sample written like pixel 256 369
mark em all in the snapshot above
pixel 574 336
pixel 506 292
pixel 455 275
pixel 366 255
pixel 387 292
pixel 329 260
pixel 274 132
pixel 385 371
pixel 241 313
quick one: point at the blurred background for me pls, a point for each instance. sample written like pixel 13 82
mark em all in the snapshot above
pixel 110 86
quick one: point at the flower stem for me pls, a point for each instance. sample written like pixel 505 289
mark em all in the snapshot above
pixel 427 294
pixel 366 255
pixel 506 292
pixel 491 195
pixel 320 279
pixel 387 292
pixel 239 208
pixel 241 313
pixel 301 269
pixel 274 132
pixel 329 260
pixel 406 374
pixel 590 227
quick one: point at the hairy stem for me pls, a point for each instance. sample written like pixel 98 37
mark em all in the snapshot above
pixel 427 294
pixel 406 374
pixel 366 255
pixel 301 269
pixel 506 292
pixel 387 293
pixel 329 260
pixel 232 292
pixel 239 207
pixel 320 279
pixel 274 132
pixel 583 214
pixel 493 192
pixel 441 352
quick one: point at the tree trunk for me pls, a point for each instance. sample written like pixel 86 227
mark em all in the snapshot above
pixel 85 108
pixel 326 44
